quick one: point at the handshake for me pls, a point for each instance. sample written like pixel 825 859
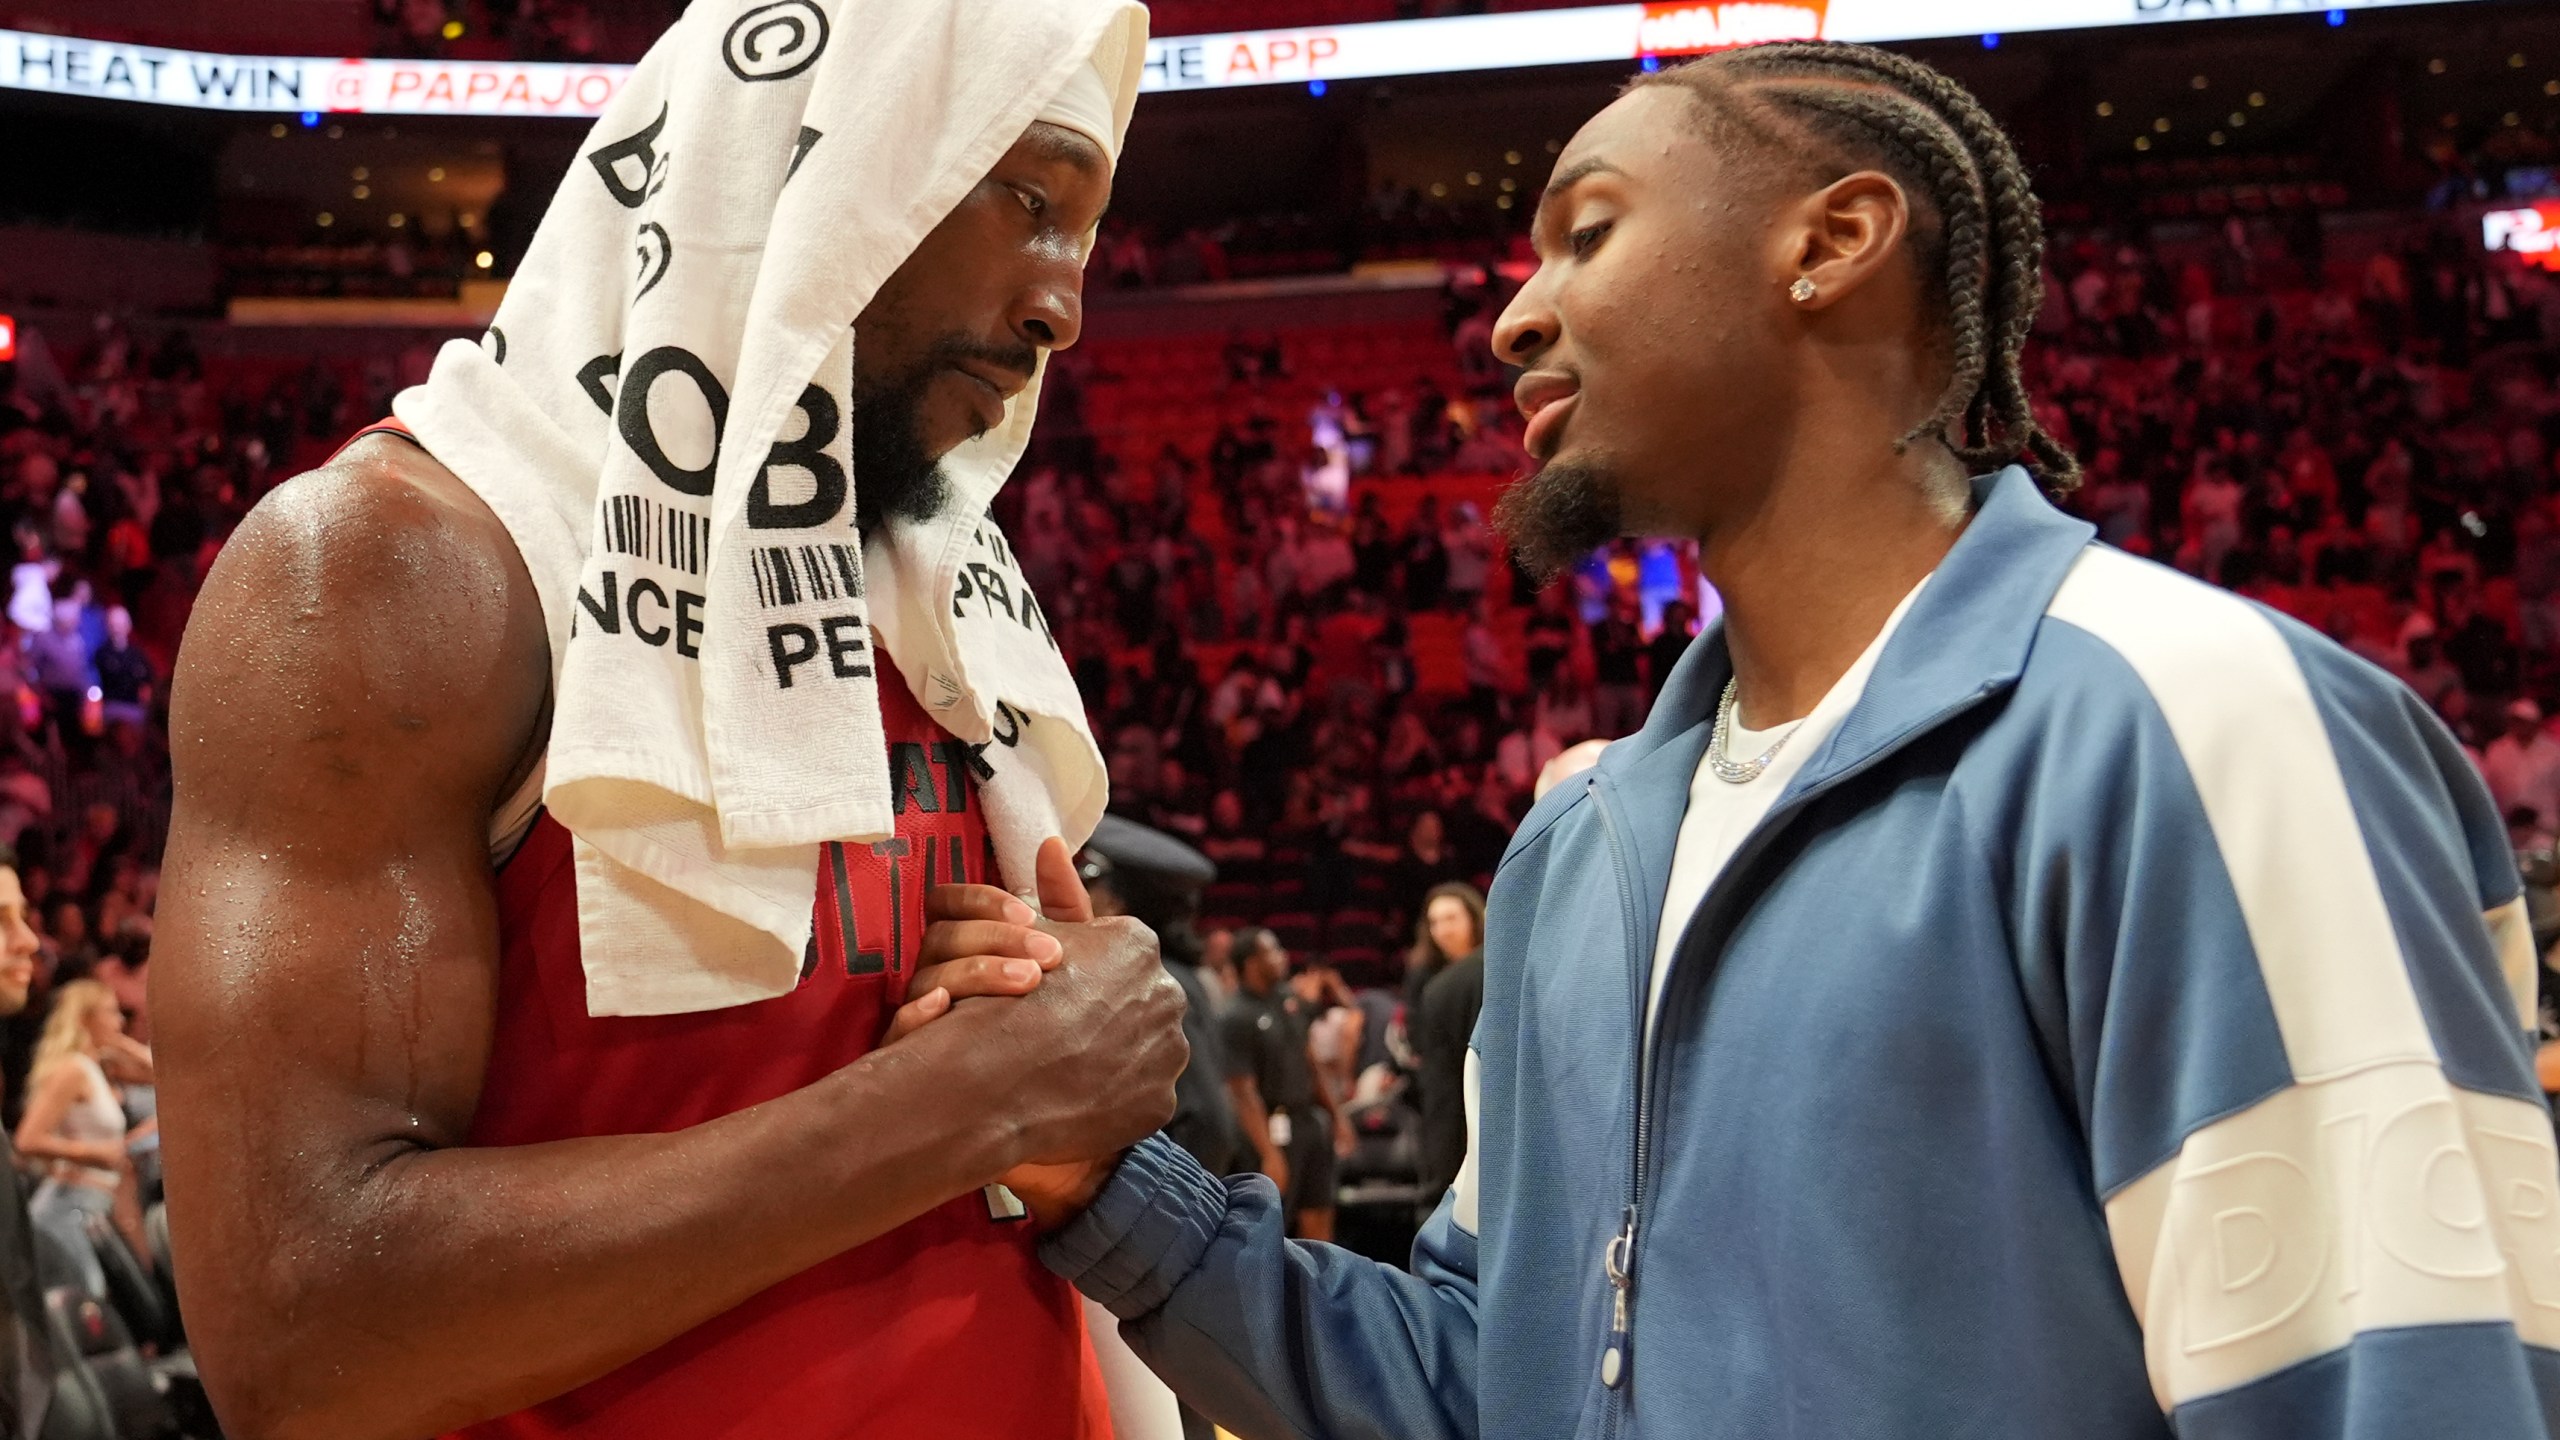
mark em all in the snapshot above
pixel 1077 1013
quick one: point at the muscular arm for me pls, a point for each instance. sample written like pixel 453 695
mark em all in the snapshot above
pixel 364 671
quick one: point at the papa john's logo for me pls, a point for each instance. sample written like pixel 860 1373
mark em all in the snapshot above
pixel 1697 29
pixel 777 41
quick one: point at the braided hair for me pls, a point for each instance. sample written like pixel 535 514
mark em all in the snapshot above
pixel 1976 225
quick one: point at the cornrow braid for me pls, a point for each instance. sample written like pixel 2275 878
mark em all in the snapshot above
pixel 1927 146
pixel 1979 228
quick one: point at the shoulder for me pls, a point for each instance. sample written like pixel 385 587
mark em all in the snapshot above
pixel 1551 808
pixel 2127 643
pixel 68 1078
pixel 367 521
pixel 2146 684
pixel 368 608
pixel 380 544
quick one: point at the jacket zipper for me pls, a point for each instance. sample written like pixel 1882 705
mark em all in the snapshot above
pixel 1617 1263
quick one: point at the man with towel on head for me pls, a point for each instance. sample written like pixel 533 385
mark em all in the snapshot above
pixel 598 993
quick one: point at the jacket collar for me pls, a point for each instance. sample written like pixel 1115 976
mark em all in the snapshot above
pixel 1966 638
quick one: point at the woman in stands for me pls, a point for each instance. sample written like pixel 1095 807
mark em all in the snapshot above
pixel 75 1119
pixel 1426 863
pixel 1450 928
pixel 1440 1015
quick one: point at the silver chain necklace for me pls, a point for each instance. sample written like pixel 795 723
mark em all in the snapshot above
pixel 1728 769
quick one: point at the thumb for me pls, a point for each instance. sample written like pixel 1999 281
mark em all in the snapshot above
pixel 1062 895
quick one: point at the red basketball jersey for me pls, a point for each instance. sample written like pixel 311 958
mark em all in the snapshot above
pixel 945 1327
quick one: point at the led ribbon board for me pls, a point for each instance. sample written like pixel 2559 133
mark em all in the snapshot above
pixel 1623 34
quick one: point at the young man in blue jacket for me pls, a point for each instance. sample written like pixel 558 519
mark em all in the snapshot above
pixel 2007 989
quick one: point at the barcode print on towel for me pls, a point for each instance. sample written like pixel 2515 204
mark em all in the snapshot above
pixel 639 526
pixel 789 574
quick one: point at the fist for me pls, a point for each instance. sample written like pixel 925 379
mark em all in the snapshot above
pixel 1093 1040
pixel 1100 1043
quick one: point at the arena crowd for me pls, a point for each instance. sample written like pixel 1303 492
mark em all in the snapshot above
pixel 1301 643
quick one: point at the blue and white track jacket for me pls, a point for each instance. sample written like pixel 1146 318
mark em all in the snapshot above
pixel 2116 1031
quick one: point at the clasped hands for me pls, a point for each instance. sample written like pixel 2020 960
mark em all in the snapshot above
pixel 1100 1043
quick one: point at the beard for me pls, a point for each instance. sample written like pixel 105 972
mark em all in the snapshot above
pixel 893 477
pixel 1562 512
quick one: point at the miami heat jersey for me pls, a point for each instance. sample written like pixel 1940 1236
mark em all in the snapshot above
pixel 946 1327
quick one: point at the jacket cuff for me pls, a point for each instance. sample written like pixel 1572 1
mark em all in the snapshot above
pixel 1144 1232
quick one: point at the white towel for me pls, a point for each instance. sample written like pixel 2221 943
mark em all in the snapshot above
pixel 659 415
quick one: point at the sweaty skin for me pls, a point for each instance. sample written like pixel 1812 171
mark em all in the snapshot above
pixel 365 676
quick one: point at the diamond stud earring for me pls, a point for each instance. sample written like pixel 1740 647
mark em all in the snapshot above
pixel 1802 291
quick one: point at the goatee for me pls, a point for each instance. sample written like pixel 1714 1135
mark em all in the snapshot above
pixel 1560 513
pixel 893 477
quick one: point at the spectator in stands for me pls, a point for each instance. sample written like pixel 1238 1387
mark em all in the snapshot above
pixel 125 969
pixel 1617 667
pixel 88 862
pixel 1349 840
pixel 2212 515
pixel 1335 1031
pixel 1433 435
pixel 1218 970
pixel 1425 558
pixel 26 1356
pixel 2538 865
pixel 1486 667
pixel 1564 715
pixel 1444 1024
pixel 125 677
pixel 31 579
pixel 1468 547
pixel 1666 647
pixel 1288 1111
pixel 1230 837
pixel 1433 924
pixel 1548 637
pixel 2522 765
pixel 1479 813
pixel 1427 859
pixel 75 951
pixel 59 660
pixel 2422 665
pixel 75 1120
pixel 1326 566
pixel 2476 645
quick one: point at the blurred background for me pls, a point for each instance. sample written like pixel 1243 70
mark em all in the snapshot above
pixel 2302 323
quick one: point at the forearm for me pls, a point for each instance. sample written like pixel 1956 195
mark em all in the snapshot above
pixel 97 1154
pixel 446 1286
pixel 1324 1090
pixel 1269 1336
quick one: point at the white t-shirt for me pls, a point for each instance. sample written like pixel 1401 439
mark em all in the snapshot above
pixel 1722 815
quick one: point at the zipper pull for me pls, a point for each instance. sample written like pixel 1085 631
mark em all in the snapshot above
pixel 1617 1263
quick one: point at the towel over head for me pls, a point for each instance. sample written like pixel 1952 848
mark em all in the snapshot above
pixel 661 416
